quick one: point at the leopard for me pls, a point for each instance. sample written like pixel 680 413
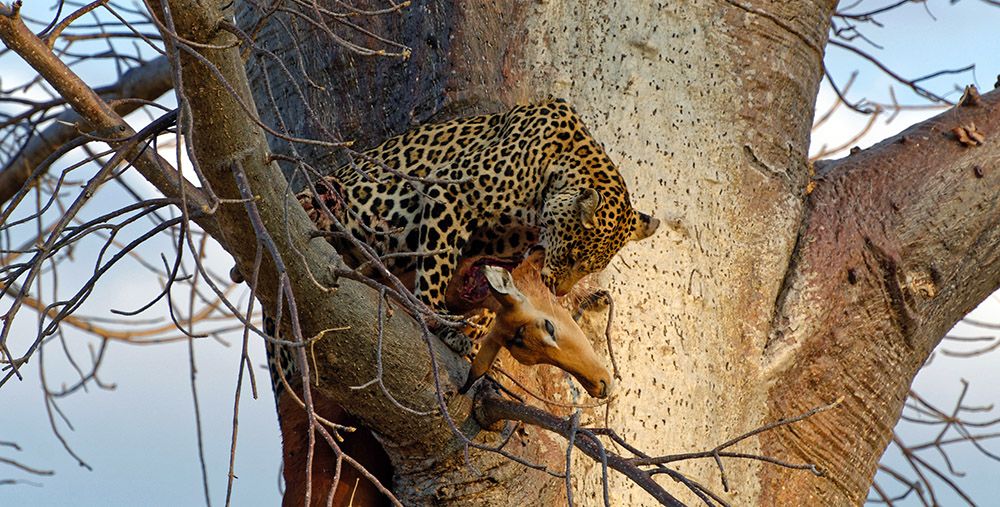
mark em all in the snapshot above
pixel 495 185
pixel 489 189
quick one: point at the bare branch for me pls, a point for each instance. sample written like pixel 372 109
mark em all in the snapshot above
pixel 147 82
pixel 492 409
pixel 89 105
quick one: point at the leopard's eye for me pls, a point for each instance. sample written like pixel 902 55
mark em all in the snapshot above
pixel 549 328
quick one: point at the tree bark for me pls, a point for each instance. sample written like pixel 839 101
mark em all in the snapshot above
pixel 760 302
pixel 707 107
pixel 898 243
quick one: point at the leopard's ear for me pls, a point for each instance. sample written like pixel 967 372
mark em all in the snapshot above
pixel 587 204
pixel 645 226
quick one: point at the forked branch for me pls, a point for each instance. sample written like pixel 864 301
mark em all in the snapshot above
pixel 491 409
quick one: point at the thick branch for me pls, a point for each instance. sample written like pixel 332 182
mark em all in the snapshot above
pixel 224 134
pixel 900 242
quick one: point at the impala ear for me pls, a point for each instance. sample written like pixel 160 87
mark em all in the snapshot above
pixel 481 364
pixel 502 286
pixel 587 204
pixel 645 226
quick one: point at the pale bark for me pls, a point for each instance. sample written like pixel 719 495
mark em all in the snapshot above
pixel 707 108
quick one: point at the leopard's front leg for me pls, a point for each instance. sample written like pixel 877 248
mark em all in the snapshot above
pixel 478 324
pixel 434 270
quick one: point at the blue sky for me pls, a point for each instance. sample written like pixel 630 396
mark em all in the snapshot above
pixel 140 437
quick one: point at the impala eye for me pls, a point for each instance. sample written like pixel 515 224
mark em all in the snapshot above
pixel 518 339
pixel 549 328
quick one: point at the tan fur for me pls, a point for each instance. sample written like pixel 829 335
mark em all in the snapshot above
pixel 519 327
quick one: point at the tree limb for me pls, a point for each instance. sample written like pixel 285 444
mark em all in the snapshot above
pixel 230 145
pixel 899 242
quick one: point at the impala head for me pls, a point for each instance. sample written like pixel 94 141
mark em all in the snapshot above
pixel 535 329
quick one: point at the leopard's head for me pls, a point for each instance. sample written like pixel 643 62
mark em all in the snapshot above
pixel 582 230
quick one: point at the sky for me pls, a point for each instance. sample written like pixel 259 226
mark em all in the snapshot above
pixel 139 438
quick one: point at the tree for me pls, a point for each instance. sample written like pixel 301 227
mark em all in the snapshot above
pixel 780 287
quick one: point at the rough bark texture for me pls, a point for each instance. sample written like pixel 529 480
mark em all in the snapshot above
pixel 899 242
pixel 707 108
pixel 746 310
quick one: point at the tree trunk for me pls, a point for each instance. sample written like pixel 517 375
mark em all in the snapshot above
pixel 760 301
